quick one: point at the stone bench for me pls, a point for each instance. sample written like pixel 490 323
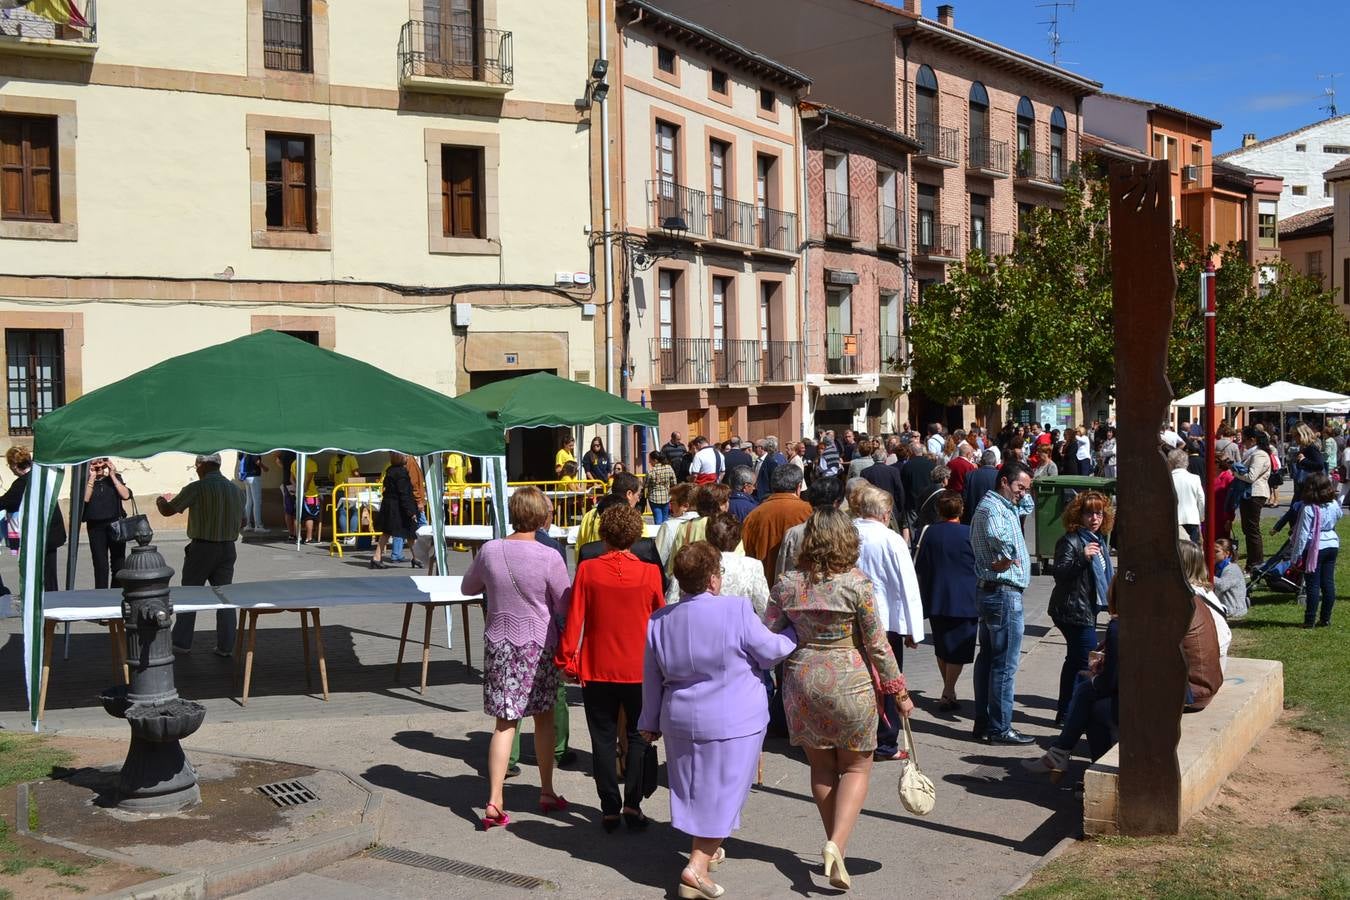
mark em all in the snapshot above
pixel 1213 743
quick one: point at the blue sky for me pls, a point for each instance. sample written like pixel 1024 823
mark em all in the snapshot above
pixel 1251 65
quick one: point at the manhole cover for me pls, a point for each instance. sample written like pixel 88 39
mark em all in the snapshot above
pixel 289 793
pixel 456 867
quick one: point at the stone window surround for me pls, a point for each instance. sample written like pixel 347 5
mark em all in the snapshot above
pixel 64 112
pixel 72 350
pixel 437 241
pixel 256 129
pixel 326 326
pixel 318 46
pixel 671 78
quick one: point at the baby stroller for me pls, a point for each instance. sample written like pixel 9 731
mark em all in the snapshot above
pixel 1275 573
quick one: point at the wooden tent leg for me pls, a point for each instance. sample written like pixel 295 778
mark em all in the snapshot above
pixel 426 645
pixel 48 635
pixel 323 660
pixel 248 657
pixel 304 641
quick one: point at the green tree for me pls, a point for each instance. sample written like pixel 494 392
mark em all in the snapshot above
pixel 1039 322
pixel 1034 324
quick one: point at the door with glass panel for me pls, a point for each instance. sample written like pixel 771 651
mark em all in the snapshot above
pixel 453 39
pixel 841 343
pixel 667 165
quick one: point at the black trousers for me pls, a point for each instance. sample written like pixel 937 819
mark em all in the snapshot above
pixel 106 554
pixel 602 701
pixel 1250 510
pixel 203 562
pixel 888 736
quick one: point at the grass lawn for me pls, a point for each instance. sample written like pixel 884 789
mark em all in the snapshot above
pixel 27 757
pixel 1301 849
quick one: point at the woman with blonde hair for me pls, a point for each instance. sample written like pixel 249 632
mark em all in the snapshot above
pixel 1307 456
pixel 527 590
pixel 832 681
pixel 1082 570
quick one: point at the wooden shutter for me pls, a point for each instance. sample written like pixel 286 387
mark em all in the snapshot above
pixel 296 168
pixel 28 168
pixel 461 196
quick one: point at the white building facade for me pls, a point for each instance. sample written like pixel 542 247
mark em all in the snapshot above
pixel 1300 157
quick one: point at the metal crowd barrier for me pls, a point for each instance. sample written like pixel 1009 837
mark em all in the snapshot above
pixel 361 501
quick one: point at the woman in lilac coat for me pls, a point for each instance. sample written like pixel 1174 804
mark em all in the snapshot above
pixel 702 692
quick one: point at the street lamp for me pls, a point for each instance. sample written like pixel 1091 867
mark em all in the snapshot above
pixel 1208 311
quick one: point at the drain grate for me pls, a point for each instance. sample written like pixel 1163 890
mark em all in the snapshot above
pixel 288 793
pixel 463 869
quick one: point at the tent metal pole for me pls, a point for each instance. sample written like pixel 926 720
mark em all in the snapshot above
pixel 76 513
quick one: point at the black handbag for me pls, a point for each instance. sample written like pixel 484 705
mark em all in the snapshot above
pixel 649 767
pixel 123 530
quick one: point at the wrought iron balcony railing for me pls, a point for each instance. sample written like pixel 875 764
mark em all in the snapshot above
pixel 782 361
pixel 672 207
pixel 731 220
pixel 456 53
pixel 713 361
pixel 991 243
pixel 1036 165
pixel 939 142
pixel 989 155
pixel 889 232
pixel 777 229
pixel 841 353
pixel 932 238
pixel 840 216
pixel 22 26
pixel 892 353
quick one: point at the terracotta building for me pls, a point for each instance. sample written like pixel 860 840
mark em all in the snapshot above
pixel 1306 244
pixel 1338 177
pixel 705 196
pixel 998 131
pixel 1219 202
pixel 857 191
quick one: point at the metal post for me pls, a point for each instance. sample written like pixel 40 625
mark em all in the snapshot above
pixel 1211 427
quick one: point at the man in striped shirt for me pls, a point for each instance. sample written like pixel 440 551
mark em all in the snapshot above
pixel 215 509
pixel 1003 571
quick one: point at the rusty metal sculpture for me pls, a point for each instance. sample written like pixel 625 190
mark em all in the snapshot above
pixel 1151 593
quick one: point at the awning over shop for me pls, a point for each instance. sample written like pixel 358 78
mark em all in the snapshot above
pixel 863 384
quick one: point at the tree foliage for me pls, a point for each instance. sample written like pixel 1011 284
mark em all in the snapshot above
pixel 1038 323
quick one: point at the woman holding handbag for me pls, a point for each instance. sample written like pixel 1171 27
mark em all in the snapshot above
pixel 833 681
pixel 1082 571
pixel 613 595
pixel 104 491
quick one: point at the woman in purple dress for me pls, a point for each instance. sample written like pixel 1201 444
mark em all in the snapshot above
pixel 527 591
pixel 701 692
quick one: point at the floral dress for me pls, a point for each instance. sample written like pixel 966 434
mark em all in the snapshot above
pixel 828 689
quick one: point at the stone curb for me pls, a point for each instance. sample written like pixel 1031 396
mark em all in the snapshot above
pixel 1054 853
pixel 243 872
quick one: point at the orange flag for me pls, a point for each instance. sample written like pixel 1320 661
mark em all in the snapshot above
pixel 64 12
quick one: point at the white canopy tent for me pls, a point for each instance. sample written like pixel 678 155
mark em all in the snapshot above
pixel 1227 392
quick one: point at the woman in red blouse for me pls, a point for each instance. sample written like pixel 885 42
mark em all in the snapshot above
pixel 612 597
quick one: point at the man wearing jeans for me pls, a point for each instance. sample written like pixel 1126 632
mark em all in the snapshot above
pixel 1003 569
pixel 214 507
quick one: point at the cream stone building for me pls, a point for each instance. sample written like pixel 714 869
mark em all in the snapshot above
pixel 706 194
pixel 402 181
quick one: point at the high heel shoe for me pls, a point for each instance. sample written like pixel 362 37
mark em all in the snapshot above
pixel 636 821
pixel 717 859
pixel 702 887
pixel 552 803
pixel 376 564
pixel 834 866
pixel 500 820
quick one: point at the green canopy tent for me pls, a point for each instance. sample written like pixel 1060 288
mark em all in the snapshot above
pixel 256 394
pixel 542 400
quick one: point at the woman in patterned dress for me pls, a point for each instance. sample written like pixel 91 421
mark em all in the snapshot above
pixel 830 693
pixel 528 592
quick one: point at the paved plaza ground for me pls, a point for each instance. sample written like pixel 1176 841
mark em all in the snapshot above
pixel 427 754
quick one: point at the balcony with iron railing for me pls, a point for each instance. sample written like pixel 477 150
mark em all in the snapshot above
pixel 731 220
pixel 26 33
pixel 889 231
pixel 939 146
pixel 988 157
pixel 455 59
pixel 937 242
pixel 777 230
pixel 841 220
pixel 693 361
pixel 992 244
pixel 892 353
pixel 1038 169
pixel 841 353
pixel 676 209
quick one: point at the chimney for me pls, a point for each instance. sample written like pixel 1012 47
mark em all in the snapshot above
pixel 1249 138
pixel 947 15
pixel 914 6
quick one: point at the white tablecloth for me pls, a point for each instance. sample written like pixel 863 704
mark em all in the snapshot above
pixel 88 606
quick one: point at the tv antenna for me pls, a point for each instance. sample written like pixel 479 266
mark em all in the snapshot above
pixel 1054 37
pixel 1330 92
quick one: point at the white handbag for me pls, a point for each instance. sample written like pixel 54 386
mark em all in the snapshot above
pixel 916 789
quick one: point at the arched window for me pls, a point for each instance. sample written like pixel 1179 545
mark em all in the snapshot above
pixel 926 108
pixel 1026 136
pixel 1058 131
pixel 979 125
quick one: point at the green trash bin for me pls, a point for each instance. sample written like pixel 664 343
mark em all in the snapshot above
pixel 1053 494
